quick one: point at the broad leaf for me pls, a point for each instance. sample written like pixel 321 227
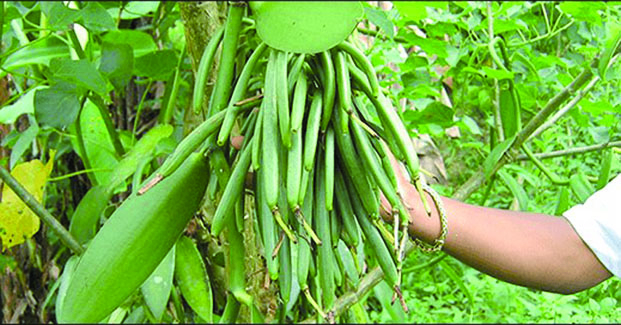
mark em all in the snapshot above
pixel 59 16
pixel 79 72
pixel 305 26
pixel 140 41
pixel 158 65
pixel 192 278
pixel 57 106
pixel 613 42
pixel 379 18
pixel 156 289
pixel 37 52
pixel 417 10
pixel 99 148
pixel 88 212
pixel 117 62
pixel 583 10
pixel 96 18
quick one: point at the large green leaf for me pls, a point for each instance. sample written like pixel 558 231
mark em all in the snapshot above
pixel 158 65
pixel 99 148
pixel 305 26
pixel 88 212
pixel 79 72
pixel 156 289
pixel 57 106
pixel 59 16
pixel 37 52
pixel 583 10
pixel 417 10
pixel 378 17
pixel 96 18
pixel 117 62
pixel 193 279
pixel 141 42
pixel 613 42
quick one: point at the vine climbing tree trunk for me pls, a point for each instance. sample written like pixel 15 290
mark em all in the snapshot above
pixel 201 20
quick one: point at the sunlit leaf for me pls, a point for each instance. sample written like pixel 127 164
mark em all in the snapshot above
pixel 59 15
pixel 379 18
pixel 305 26
pixel 99 148
pixel 17 221
pixel 158 65
pixel 96 18
pixel 613 41
pixel 79 72
pixel 24 105
pixel 156 289
pixel 417 10
pixel 583 10
pixel 41 52
pixel 140 41
pixel 192 278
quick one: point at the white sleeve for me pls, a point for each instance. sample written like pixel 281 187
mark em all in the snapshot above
pixel 598 223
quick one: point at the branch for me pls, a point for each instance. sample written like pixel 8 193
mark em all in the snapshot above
pixel 376 34
pixel 572 151
pixel 41 212
pixel 565 108
pixel 476 180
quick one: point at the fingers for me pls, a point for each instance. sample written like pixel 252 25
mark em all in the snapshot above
pixel 385 208
pixel 236 141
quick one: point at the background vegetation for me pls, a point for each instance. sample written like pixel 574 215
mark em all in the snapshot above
pixel 470 75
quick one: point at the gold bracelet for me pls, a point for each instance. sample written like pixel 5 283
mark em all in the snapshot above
pixel 439 242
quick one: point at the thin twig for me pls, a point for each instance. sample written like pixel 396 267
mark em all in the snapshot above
pixel 572 151
pixel 375 34
pixel 565 108
pixel 478 178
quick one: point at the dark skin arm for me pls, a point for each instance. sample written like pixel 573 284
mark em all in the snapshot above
pixel 529 249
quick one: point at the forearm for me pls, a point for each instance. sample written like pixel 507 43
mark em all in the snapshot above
pixel 530 249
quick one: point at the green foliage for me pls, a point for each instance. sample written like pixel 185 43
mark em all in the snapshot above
pixel 88 79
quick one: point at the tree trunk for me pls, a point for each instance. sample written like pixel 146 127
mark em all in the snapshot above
pixel 201 20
